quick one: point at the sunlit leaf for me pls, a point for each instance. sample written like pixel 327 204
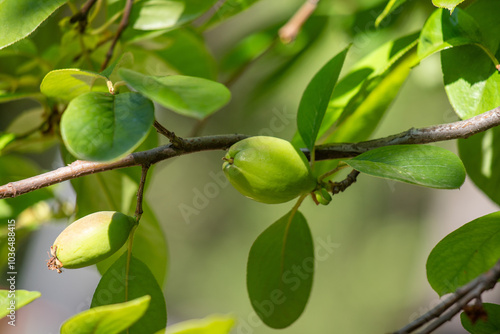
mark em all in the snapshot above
pixel 464 254
pixel 448 4
pixel 481 157
pixel 442 31
pixel 20 18
pixel 470 76
pixel 109 319
pixel 14 300
pixel 69 83
pixel 214 324
pixel 391 7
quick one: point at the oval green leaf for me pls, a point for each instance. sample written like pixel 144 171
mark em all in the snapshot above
pixel 316 97
pixel 189 96
pixel 14 301
pixel 141 282
pixel 428 166
pixel 481 156
pixel 213 324
pixel 19 18
pixel 280 271
pixel 464 254
pixel 110 319
pixel 448 4
pixel 102 127
pixel 442 31
pixel 69 83
pixel 490 326
pixel 469 74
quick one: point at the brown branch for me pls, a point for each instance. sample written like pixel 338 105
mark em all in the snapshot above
pixel 123 24
pixel 432 134
pixel 82 15
pixel 341 186
pixel 291 29
pixel 460 129
pixel 445 311
pixel 176 141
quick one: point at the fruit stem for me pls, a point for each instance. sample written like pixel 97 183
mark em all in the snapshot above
pixel 129 258
pixel 339 167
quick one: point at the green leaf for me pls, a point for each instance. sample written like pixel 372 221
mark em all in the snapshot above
pixel 391 6
pixel 110 319
pixel 442 31
pixel 19 18
pixel 315 99
pixel 481 158
pixel 15 300
pixel 69 83
pixel 162 14
pixel 491 326
pixel 111 290
pixel 280 271
pixel 470 77
pixel 448 4
pixel 464 254
pixel 102 127
pixel 361 98
pixel 428 166
pixel 228 9
pixel 189 96
pixel 213 324
pixel 181 51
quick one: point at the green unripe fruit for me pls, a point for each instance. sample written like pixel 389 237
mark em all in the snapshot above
pixel 90 239
pixel 268 170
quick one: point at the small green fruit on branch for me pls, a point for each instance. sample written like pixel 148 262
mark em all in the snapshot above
pixel 90 239
pixel 269 170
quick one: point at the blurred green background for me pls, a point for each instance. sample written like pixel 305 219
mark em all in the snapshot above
pixel 372 241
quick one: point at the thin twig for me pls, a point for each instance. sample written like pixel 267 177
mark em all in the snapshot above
pixel 140 192
pixel 291 29
pixel 123 24
pixel 445 311
pixel 337 187
pixel 82 15
pixel 210 14
pixel 460 129
pixel 176 141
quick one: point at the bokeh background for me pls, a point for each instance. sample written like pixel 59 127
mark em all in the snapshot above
pixel 372 240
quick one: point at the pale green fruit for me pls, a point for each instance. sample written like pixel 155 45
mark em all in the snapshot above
pixel 268 170
pixel 90 239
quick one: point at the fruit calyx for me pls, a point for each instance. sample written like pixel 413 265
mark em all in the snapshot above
pixel 53 263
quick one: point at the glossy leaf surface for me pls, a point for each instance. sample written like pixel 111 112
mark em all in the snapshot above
pixel 141 282
pixel 280 271
pixel 102 127
pixel 464 254
pixel 427 166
